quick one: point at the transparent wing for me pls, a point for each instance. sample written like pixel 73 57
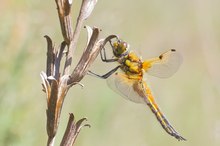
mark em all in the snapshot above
pixel 120 83
pixel 138 91
pixel 165 65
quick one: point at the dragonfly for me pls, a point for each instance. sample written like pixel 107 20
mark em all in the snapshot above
pixel 127 78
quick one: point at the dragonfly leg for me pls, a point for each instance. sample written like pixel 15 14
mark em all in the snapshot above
pixel 104 58
pixel 105 76
pixel 110 42
pixel 103 54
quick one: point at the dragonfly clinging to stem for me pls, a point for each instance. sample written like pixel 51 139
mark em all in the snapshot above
pixel 130 83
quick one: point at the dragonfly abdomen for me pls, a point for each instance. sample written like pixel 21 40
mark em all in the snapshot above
pixel 159 115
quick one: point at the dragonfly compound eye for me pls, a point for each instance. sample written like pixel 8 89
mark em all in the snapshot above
pixel 119 48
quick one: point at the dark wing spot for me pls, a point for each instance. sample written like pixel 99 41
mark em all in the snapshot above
pixel 173 50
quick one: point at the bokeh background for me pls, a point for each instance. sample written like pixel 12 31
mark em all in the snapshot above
pixel 190 99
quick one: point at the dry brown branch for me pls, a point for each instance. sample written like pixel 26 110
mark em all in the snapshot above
pixel 55 84
pixel 89 55
pixel 86 9
pixel 72 130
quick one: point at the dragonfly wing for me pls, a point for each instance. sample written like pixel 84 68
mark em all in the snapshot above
pixel 149 100
pixel 165 65
pixel 124 86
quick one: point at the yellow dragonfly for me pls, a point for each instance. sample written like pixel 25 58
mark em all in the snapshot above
pixel 130 83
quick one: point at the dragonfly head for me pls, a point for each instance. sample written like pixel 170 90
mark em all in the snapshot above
pixel 120 48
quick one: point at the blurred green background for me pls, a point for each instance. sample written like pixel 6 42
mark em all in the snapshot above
pixel 189 99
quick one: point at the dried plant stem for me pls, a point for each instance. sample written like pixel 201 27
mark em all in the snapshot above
pixel 72 130
pixel 50 141
pixel 85 10
pixel 64 11
pixel 55 84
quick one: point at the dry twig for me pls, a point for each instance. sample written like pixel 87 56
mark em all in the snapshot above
pixel 55 84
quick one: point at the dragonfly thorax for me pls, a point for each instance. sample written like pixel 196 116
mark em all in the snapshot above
pixel 132 65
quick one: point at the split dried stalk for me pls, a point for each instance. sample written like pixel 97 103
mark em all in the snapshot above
pixel 55 84
pixel 72 130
